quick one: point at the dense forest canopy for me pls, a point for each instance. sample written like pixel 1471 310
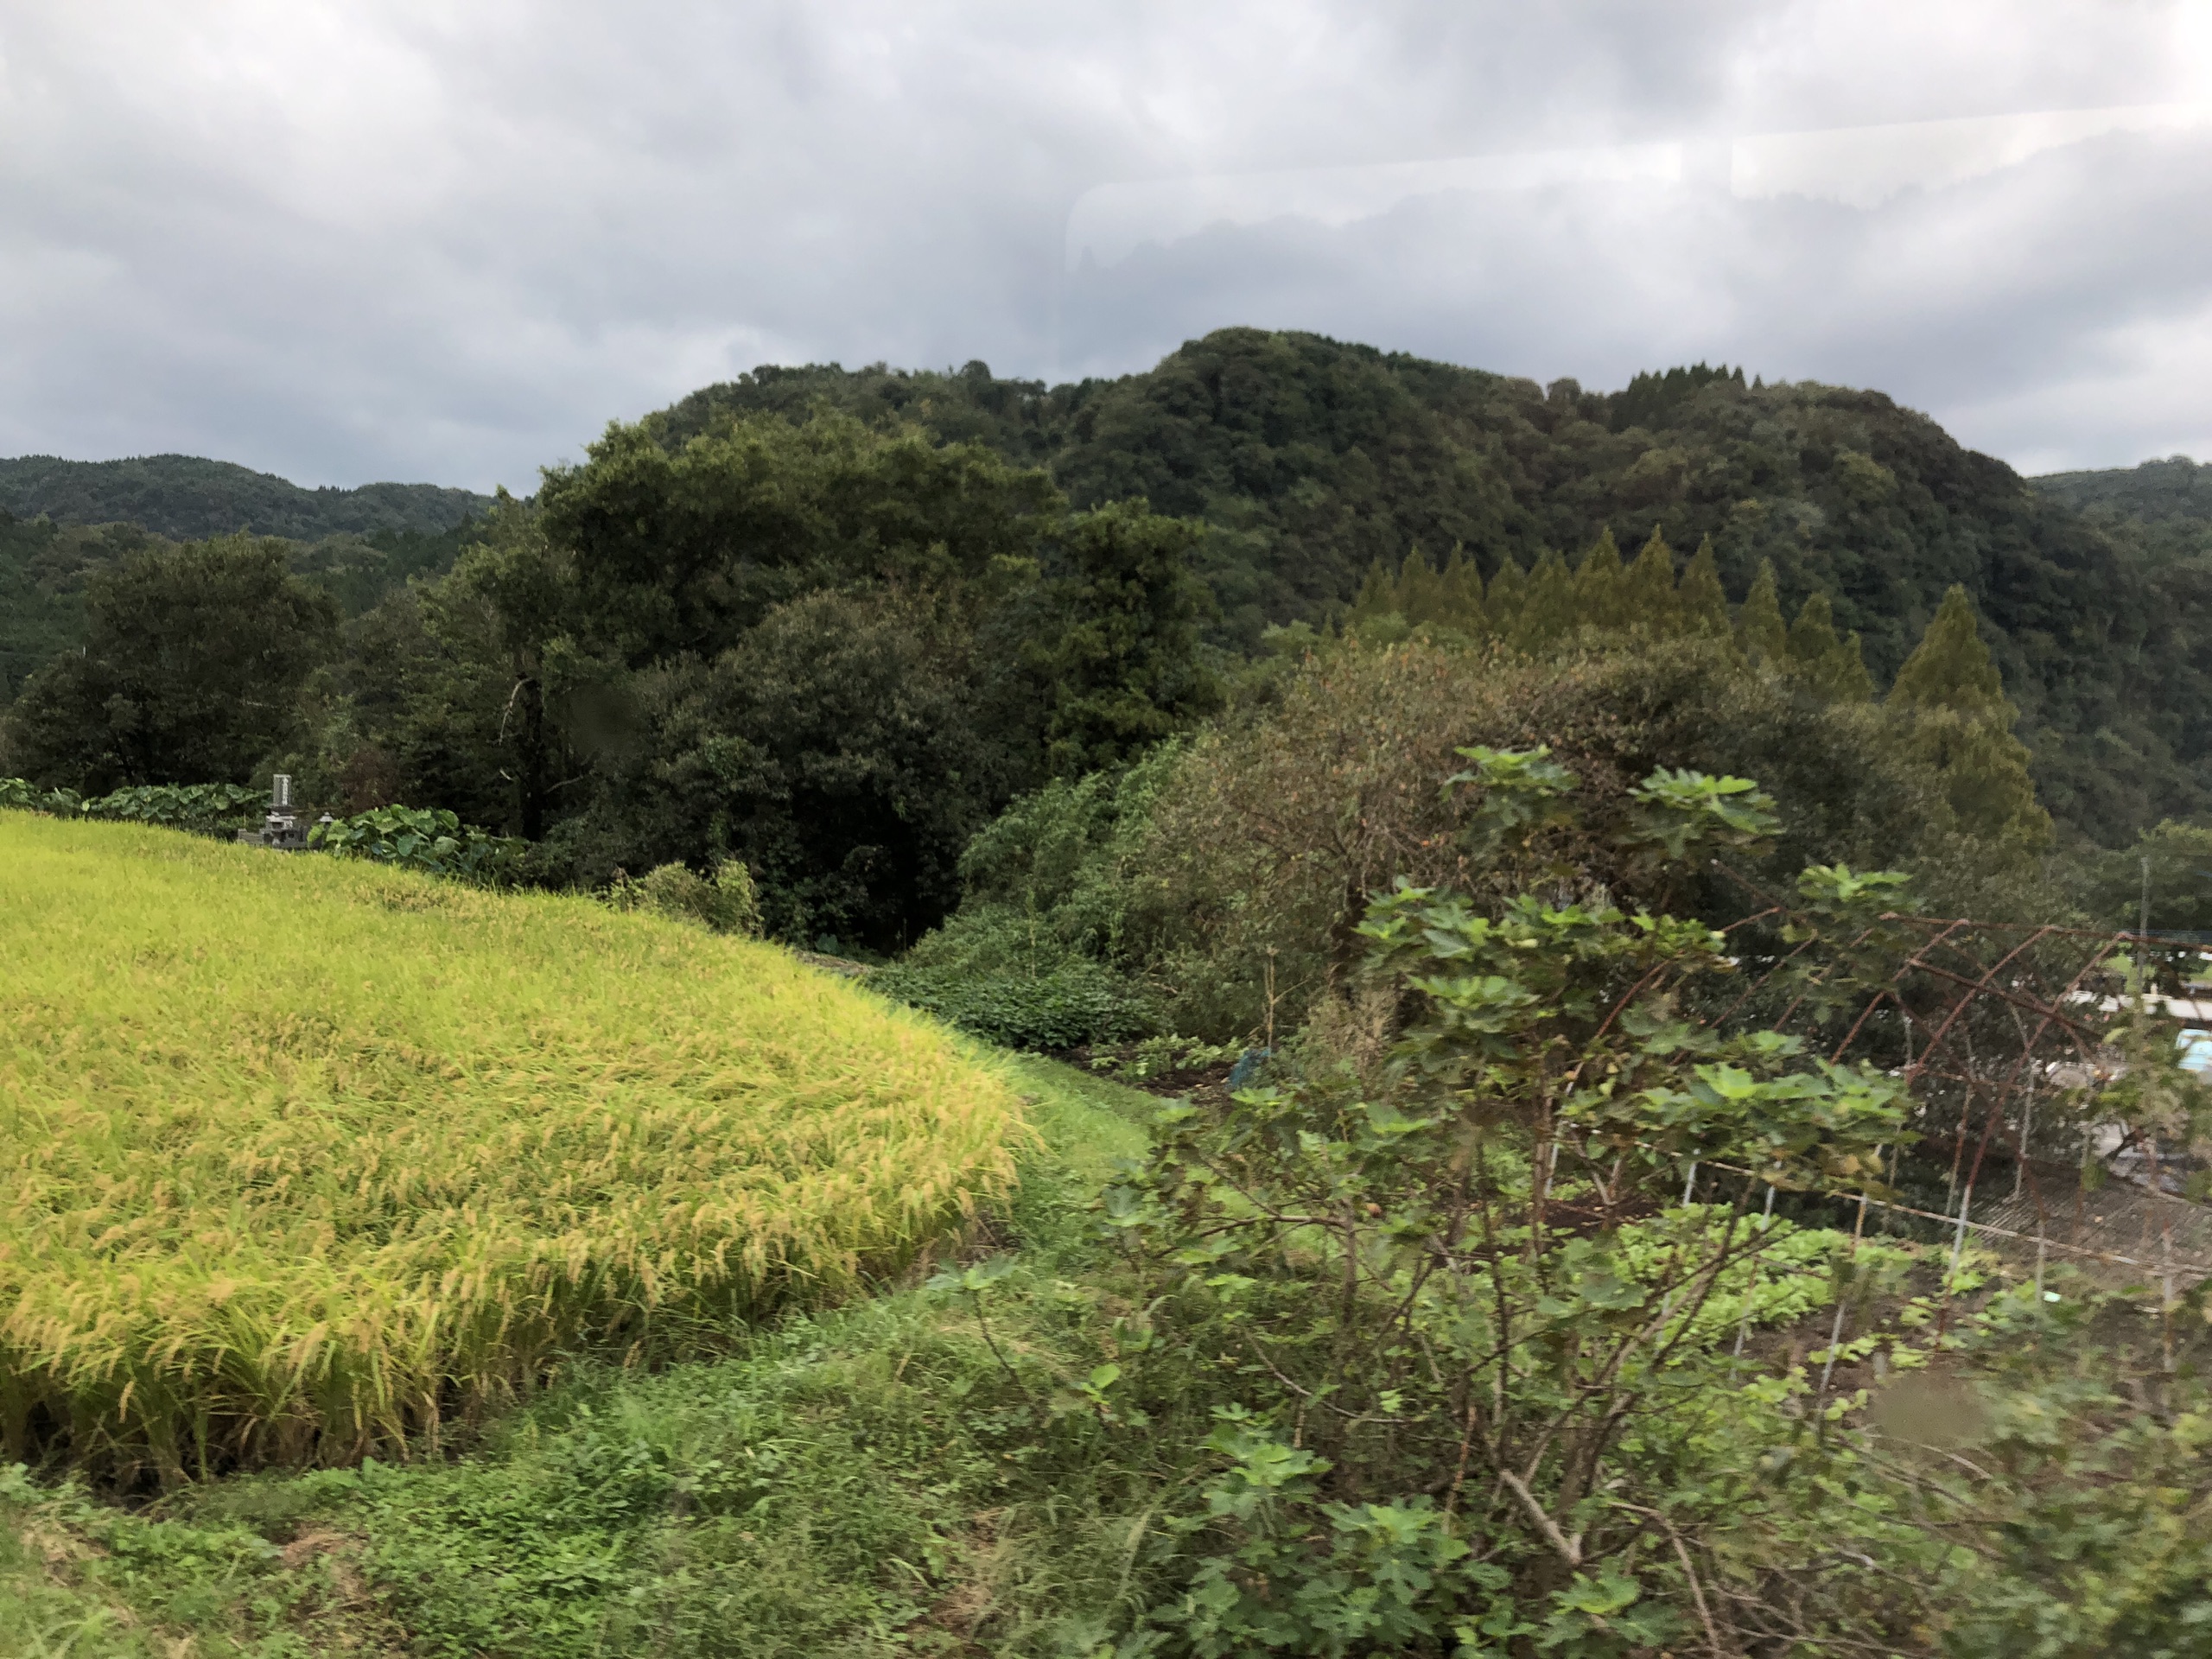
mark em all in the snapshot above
pixel 833 620
pixel 1308 459
pixel 61 522
pixel 185 497
pixel 828 651
pixel 2174 490
pixel 45 566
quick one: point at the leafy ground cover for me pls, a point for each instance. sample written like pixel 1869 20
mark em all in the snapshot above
pixel 305 1159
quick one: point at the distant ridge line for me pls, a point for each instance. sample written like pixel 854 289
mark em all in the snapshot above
pixel 190 497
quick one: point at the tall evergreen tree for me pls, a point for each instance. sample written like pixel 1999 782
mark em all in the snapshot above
pixel 1760 633
pixel 1506 597
pixel 1648 599
pixel 1831 670
pixel 1700 601
pixel 1952 667
pixel 1549 615
pixel 1598 585
pixel 1854 683
pixel 1420 595
pixel 1462 600
pixel 1377 594
pixel 1951 699
pixel 1811 639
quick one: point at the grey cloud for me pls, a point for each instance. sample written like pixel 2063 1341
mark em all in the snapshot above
pixel 450 243
pixel 1992 303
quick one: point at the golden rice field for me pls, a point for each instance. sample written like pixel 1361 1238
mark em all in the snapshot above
pixel 301 1158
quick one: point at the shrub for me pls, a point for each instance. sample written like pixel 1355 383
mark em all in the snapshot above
pixel 429 839
pixel 23 796
pixel 1243 897
pixel 207 809
pixel 729 903
pixel 1226 876
pixel 1073 1003
pixel 1033 959
pixel 1159 1057
pixel 1469 1347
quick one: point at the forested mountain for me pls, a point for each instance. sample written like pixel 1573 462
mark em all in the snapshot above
pixel 2174 490
pixel 44 567
pixel 1307 463
pixel 61 522
pixel 2160 513
pixel 185 497
pixel 1310 460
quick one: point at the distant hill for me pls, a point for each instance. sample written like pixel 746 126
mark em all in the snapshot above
pixel 2157 492
pixel 1309 459
pixel 63 521
pixel 185 497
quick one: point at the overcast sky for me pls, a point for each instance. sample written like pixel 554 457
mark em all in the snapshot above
pixel 449 240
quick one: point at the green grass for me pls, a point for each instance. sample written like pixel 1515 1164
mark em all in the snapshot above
pixel 303 1159
pixel 862 1480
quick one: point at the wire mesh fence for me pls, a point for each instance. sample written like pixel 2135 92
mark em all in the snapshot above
pixel 2053 1104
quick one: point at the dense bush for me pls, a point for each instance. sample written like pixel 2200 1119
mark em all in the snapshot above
pixel 429 839
pixel 728 903
pixel 1468 1369
pixel 1071 1004
pixel 1443 1442
pixel 208 809
pixel 833 750
pixel 24 796
pixel 1035 958
pixel 1227 876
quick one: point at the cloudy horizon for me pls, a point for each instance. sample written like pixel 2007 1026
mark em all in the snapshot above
pixel 352 242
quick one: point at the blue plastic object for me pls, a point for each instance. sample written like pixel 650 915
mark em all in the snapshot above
pixel 1248 1062
pixel 2195 1050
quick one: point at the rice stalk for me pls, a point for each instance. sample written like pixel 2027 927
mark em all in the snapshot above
pixel 297 1166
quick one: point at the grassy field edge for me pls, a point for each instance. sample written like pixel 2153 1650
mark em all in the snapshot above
pixel 397 1558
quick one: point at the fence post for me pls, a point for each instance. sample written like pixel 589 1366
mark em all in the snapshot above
pixel 1744 1329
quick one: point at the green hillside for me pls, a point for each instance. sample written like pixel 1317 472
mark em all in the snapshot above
pixel 1309 459
pixel 44 567
pixel 2160 513
pixel 2174 490
pixel 185 497
pixel 1304 461
pixel 63 521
